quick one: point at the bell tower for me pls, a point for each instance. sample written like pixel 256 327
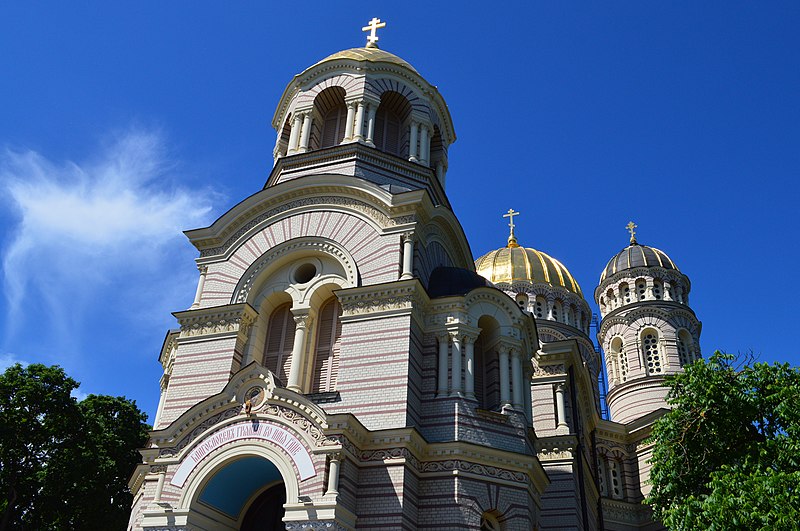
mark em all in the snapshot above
pixel 648 329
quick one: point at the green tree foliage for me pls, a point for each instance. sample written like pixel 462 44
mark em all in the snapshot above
pixel 727 456
pixel 65 464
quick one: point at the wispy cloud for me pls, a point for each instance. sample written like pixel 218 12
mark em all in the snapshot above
pixel 95 235
pixel 8 359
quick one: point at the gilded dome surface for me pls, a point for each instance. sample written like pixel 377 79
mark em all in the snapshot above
pixel 636 255
pixel 521 264
pixel 373 55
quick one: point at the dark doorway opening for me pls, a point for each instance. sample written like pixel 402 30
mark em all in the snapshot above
pixel 266 512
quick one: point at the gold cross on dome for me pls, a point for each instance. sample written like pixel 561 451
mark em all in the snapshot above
pixel 512 240
pixel 372 28
pixel 631 226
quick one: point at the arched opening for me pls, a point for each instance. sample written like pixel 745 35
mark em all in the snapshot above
pixel 326 351
pixel 658 289
pixel 641 289
pixel 541 307
pixel 651 351
pixel 249 490
pixel 283 139
pixel 685 347
pixel 487 364
pixel 266 511
pixel 489 522
pixel 332 110
pixel 279 342
pixel 392 114
pixel 619 360
pixel 558 311
pixel 625 292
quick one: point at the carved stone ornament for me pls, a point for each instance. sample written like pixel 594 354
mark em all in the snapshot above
pixel 382 219
pixel 474 468
pixel 218 320
pixel 549 370
pixel 158 469
pixel 366 303
pixel 313 525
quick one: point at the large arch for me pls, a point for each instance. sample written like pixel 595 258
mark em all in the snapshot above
pixel 222 488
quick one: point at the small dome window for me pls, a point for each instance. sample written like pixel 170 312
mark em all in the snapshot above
pixel 652 356
pixel 541 305
pixel 304 273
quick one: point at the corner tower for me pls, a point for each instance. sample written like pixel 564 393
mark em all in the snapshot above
pixel 647 330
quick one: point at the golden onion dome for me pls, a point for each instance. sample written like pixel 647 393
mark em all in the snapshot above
pixel 371 54
pixel 513 263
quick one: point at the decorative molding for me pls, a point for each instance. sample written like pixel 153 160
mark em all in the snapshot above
pixel 550 370
pixel 313 525
pixel 474 468
pixel 621 511
pixel 398 297
pixel 216 320
pixel 314 243
pixel 198 431
pixel 555 448
pixel 360 206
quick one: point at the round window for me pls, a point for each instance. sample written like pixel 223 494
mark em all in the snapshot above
pixel 304 273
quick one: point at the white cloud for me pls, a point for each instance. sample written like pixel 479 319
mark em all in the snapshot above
pixel 92 236
pixel 8 359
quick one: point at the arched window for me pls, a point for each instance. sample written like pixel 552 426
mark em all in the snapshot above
pixel 541 307
pixel 685 348
pixel 522 301
pixel 620 361
pixel 557 311
pixel 279 343
pixel 333 126
pixel 641 289
pixel 602 472
pixel 658 289
pixel 610 299
pixel 625 292
pixel 651 351
pixel 326 351
pixel 489 522
pixel 487 364
pixel 616 479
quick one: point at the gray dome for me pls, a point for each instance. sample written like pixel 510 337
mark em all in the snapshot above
pixel 636 255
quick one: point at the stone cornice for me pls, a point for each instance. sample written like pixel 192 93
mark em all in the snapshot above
pixel 216 320
pixel 379 300
pixel 625 512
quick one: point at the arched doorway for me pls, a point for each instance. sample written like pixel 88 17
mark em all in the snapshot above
pixel 266 511
pixel 247 493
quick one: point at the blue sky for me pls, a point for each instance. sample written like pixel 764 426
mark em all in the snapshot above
pixel 122 124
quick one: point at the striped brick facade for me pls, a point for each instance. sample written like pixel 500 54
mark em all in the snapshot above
pixel 438 412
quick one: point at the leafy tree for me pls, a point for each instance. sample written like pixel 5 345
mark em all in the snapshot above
pixel 65 464
pixel 727 456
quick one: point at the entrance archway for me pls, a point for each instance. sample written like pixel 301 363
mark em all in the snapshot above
pixel 245 493
pixel 266 511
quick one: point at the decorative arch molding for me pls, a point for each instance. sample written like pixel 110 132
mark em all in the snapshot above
pixel 276 255
pixel 376 86
pixel 496 304
pixel 221 457
pixel 350 82
pixel 311 193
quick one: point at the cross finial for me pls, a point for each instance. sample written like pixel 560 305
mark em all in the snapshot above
pixel 631 226
pixel 372 28
pixel 512 240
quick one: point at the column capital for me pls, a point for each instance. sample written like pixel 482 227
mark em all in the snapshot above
pixel 469 338
pixel 408 236
pixel 202 268
pixel 302 320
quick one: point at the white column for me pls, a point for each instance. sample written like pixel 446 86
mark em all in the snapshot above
pixel 412 143
pixel 648 294
pixel 440 172
pixel 550 305
pixel 469 366
pixel 561 411
pixel 333 475
pixel 667 291
pixel 358 132
pixel 444 343
pixel 408 257
pixel 526 393
pixel 424 145
pixel 305 133
pixel 200 284
pixel 164 383
pixel 160 485
pixel 455 384
pixel 348 126
pixel 294 136
pixel 505 392
pixel 298 351
pixel 371 123
pixel 516 378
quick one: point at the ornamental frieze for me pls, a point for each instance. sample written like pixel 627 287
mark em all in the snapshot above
pixel 473 468
pixel 216 320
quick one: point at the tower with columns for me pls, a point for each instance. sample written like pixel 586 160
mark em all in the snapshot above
pixel 346 364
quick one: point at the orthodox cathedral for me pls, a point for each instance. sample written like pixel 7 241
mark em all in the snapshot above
pixel 348 364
